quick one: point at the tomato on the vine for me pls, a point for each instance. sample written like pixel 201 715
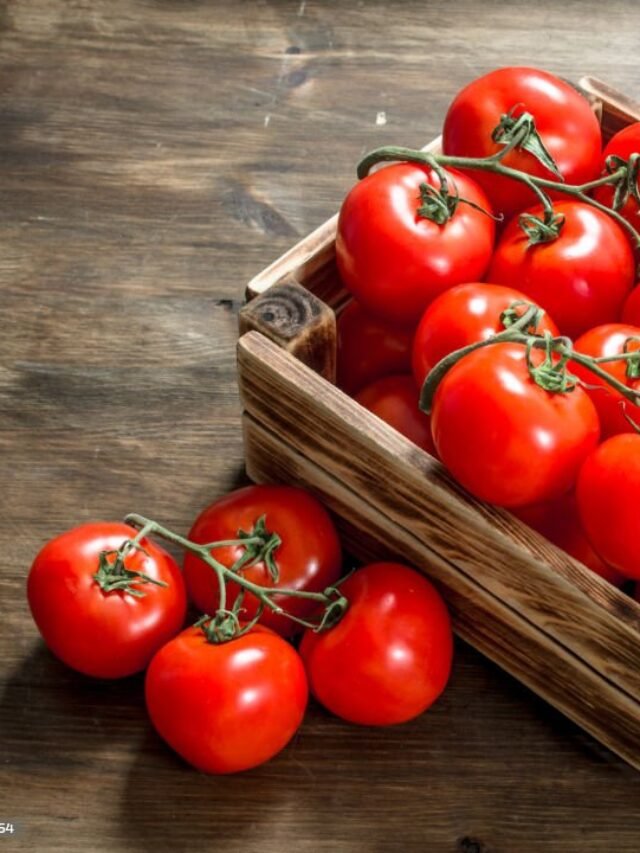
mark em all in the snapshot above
pixel 461 316
pixel 581 278
pixel 394 260
pixel 110 630
pixel 563 118
pixel 614 411
pixel 502 436
pixel 369 348
pixel 608 494
pixel 394 399
pixel 389 657
pixel 623 144
pixel 226 707
pixel 308 558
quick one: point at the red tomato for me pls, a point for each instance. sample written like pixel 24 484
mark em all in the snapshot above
pixel 396 262
pixel 608 496
pixel 230 706
pixel 309 557
pixel 503 437
pixel 369 349
pixel 389 657
pixel 559 522
pixel 609 340
pixel 563 118
pixel 623 144
pixel 631 307
pixel 394 399
pixel 104 634
pixel 462 316
pixel 581 279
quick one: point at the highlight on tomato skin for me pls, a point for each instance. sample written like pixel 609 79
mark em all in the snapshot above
pixel 394 399
pixel 369 348
pixel 226 707
pixel 389 658
pixel 464 315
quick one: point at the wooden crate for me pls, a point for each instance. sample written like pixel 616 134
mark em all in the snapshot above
pixel 546 619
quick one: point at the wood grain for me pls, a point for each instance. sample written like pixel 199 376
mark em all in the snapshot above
pixel 155 156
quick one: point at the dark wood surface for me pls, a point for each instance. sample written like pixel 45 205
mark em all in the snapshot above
pixel 155 155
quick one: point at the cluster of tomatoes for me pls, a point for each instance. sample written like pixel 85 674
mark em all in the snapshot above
pixel 230 691
pixel 523 211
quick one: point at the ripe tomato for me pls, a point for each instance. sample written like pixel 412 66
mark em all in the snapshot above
pixel 502 436
pixel 389 657
pixel 230 706
pixel 559 522
pixel 581 279
pixel 369 349
pixel 623 144
pixel 394 399
pixel 104 634
pixel 563 118
pixel 396 262
pixel 608 496
pixel 461 316
pixel 611 406
pixel 631 307
pixel 308 558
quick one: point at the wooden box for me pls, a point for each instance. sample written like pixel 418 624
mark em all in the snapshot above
pixel 546 619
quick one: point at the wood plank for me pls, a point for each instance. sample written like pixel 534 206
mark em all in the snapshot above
pixel 574 606
pixel 491 625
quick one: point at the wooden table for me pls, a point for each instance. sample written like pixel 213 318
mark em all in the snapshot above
pixel 155 155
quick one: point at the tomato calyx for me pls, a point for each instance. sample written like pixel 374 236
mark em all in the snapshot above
pixel 628 187
pixel 113 575
pixel 439 204
pixel 544 230
pixel 259 544
pixel 552 373
pixel 521 133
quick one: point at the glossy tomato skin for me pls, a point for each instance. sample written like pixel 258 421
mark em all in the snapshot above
pixel 103 634
pixel 395 262
pixel 505 439
pixel 461 316
pixel 565 121
pixel 582 279
pixel 631 308
pixel 389 657
pixel 559 522
pixel 369 349
pixel 309 557
pixel 394 399
pixel 230 706
pixel 623 144
pixel 608 495
pixel 609 340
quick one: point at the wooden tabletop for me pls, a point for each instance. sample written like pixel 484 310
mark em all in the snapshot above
pixel 155 155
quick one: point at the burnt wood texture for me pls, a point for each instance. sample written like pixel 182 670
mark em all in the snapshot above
pixel 157 155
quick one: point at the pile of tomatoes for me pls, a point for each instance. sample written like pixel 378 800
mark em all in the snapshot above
pixel 440 258
pixel 110 602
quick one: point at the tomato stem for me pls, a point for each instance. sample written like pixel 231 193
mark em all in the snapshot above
pixel 225 624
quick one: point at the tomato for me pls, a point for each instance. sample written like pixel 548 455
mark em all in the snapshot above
pixel 106 634
pixel 462 316
pixel 226 707
pixel 608 496
pixel 396 262
pixel 308 558
pixel 394 399
pixel 559 522
pixel 502 436
pixel 389 657
pixel 623 144
pixel 369 349
pixel 581 279
pixel 563 118
pixel 631 307
pixel 612 407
